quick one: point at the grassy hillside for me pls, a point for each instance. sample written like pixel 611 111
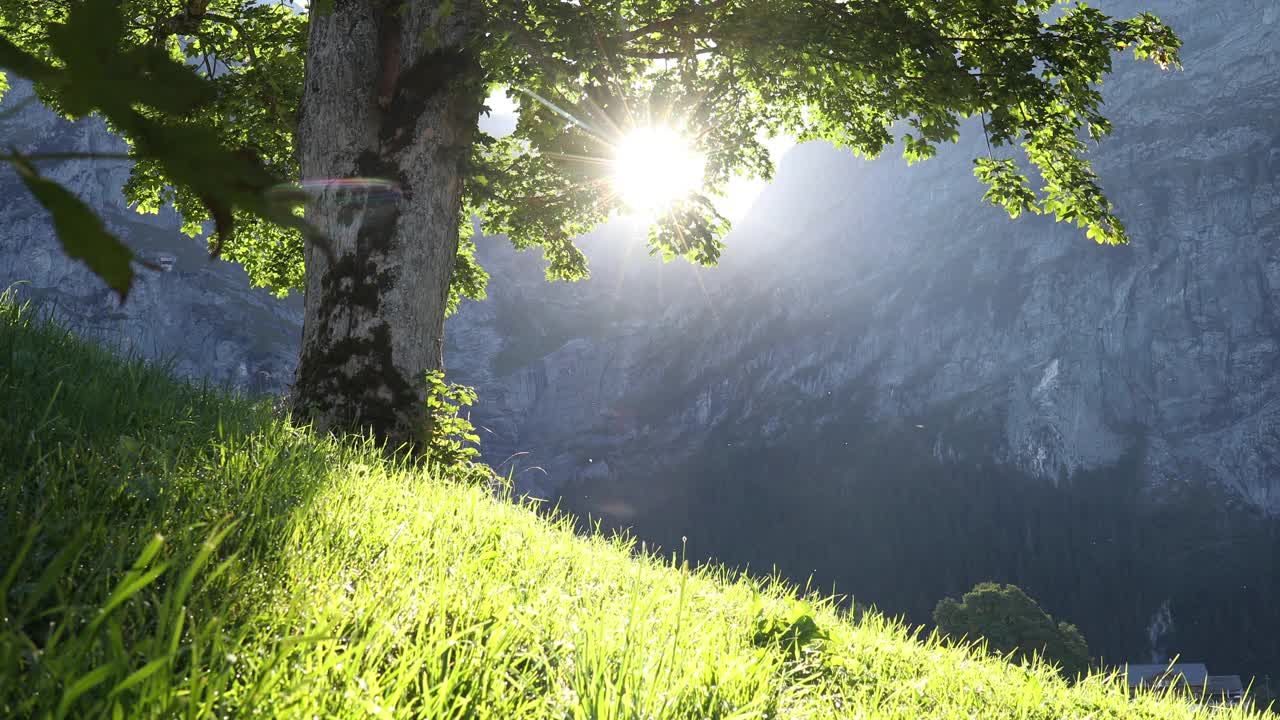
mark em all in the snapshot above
pixel 168 551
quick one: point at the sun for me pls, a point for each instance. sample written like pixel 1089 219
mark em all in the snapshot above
pixel 654 167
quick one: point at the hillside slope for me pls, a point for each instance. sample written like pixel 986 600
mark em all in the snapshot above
pixel 170 551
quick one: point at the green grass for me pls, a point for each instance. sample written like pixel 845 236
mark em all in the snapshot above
pixel 171 551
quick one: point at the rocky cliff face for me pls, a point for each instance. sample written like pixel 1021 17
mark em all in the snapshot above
pixel 848 277
pixel 201 315
pixel 854 277
pixel 891 387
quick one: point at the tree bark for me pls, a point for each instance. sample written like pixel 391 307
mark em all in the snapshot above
pixel 392 93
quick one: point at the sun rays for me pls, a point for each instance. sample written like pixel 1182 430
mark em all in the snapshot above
pixel 655 167
pixel 650 164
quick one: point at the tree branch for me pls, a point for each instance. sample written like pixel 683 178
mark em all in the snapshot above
pixel 670 22
pixel 667 54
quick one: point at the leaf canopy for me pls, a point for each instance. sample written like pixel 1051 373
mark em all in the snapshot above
pixel 207 91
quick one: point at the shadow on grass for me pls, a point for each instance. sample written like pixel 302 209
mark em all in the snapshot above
pixel 125 495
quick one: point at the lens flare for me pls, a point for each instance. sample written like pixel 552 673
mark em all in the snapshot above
pixel 654 167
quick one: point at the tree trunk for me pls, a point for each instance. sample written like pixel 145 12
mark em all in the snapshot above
pixel 391 94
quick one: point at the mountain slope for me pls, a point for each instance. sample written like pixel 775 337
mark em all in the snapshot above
pixel 854 276
pixel 170 551
pixel 890 387
pixel 201 316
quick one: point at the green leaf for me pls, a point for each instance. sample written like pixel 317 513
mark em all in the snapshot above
pixel 133 582
pixel 165 85
pixel 140 675
pixel 55 570
pixel 81 233
pixel 82 686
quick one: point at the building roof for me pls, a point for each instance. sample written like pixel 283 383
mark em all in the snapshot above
pixel 1224 685
pixel 1190 673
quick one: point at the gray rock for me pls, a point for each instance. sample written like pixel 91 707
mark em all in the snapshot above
pixel 200 316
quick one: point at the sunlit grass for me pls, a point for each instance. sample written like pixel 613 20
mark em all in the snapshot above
pixel 169 551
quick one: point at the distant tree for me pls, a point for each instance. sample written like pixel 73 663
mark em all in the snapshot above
pixel 1011 622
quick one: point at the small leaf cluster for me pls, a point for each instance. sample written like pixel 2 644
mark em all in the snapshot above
pixel 790 629
pixel 453 438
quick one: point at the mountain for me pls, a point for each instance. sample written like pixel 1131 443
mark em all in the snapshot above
pixel 200 316
pixel 886 385
pixel 898 282
pixel 891 387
